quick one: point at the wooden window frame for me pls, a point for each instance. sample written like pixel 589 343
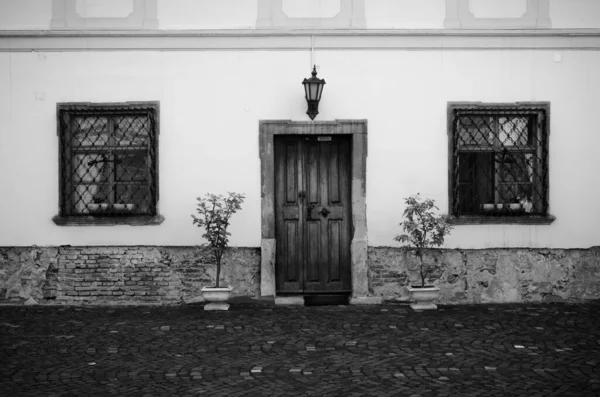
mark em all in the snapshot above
pixel 497 108
pixel 66 216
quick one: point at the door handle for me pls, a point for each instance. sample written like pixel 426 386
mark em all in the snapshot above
pixel 324 212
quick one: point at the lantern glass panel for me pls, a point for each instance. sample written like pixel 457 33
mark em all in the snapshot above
pixel 320 91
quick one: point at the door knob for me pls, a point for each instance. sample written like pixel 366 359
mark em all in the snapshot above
pixel 324 212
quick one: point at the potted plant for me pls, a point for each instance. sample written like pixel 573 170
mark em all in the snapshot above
pixel 119 205
pixel 515 205
pixel 98 203
pixel 423 230
pixel 214 212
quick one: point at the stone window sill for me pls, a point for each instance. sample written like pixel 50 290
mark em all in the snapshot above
pixel 501 220
pixel 108 220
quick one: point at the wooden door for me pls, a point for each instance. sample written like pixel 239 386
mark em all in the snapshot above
pixel 312 213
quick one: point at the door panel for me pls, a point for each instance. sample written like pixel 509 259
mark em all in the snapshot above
pixel 288 221
pixel 313 193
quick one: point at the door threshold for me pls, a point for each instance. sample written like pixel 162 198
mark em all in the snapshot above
pixel 289 300
pixel 325 300
pixel 314 300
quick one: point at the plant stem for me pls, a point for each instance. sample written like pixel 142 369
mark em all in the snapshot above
pixel 421 271
pixel 423 245
pixel 218 258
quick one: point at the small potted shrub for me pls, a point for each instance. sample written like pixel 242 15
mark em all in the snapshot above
pixel 423 230
pixel 119 205
pixel 98 203
pixel 103 204
pixel 214 212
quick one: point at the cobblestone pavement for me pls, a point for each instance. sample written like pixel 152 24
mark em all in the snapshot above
pixel 257 349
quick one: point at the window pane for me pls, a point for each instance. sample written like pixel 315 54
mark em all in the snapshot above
pixel 83 196
pixel 90 168
pixel 136 194
pixel 514 192
pixel 514 131
pixel 475 130
pixel 475 181
pixel 516 167
pixel 131 166
pixel 91 171
pixel 90 131
pixel 132 130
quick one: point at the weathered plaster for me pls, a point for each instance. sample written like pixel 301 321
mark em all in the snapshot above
pixel 23 272
pixel 492 275
pixel 267 267
pixel 121 274
pixel 158 275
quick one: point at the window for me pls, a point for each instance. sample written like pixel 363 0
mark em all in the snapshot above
pixel 108 156
pixel 499 161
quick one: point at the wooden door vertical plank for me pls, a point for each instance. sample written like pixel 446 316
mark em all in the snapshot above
pixel 324 186
pixel 291 252
pixel 334 180
pixel 291 174
pixel 335 237
pixel 312 173
pixel 301 239
pixel 280 171
pixel 288 218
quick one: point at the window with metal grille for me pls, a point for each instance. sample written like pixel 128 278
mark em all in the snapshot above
pixel 108 160
pixel 499 159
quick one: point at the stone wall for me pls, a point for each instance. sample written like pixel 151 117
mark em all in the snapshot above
pixel 158 275
pixel 121 274
pixel 491 275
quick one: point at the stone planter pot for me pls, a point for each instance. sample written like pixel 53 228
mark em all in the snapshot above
pixel 424 297
pixel 216 297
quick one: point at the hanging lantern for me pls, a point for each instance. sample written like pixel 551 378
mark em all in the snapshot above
pixel 313 88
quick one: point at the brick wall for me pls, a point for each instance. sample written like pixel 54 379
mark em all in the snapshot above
pixel 121 274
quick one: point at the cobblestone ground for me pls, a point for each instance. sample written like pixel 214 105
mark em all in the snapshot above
pixel 262 350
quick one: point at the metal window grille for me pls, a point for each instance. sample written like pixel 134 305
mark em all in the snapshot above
pixel 499 160
pixel 108 156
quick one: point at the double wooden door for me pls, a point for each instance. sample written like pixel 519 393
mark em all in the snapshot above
pixel 313 213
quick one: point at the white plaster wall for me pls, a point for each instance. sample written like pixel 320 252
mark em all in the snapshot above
pixel 579 14
pixel 207 14
pixel 208 140
pixel 405 14
pixel 241 14
pixel 408 138
pixel 211 102
pixel 25 14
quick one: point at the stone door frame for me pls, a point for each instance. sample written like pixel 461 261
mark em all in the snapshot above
pixel 358 247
